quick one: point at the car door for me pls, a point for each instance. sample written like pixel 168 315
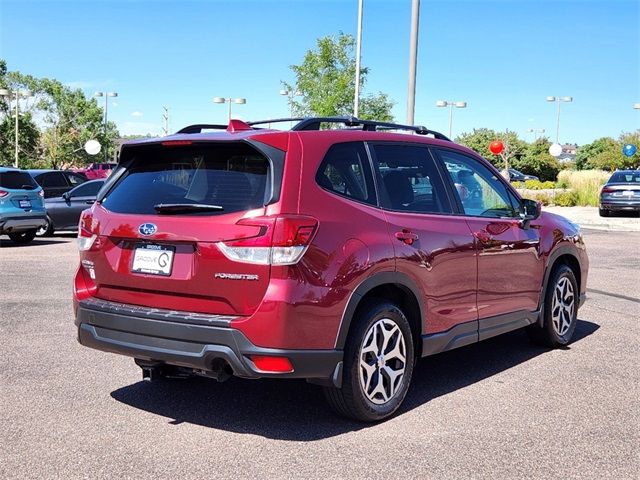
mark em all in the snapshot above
pixel 509 261
pixel 432 246
pixel 76 200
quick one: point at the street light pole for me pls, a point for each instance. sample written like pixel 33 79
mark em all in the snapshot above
pixel 558 100
pixel 447 103
pixel 535 132
pixel 413 61
pixel 241 101
pixel 106 96
pixel 356 100
pixel 18 94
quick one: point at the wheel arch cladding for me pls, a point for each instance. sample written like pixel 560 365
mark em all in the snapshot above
pixel 394 287
pixel 562 256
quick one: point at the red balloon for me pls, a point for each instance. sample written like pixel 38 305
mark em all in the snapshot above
pixel 496 147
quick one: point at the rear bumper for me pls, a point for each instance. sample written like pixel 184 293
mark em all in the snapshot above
pixel 20 224
pixel 147 334
pixel 633 205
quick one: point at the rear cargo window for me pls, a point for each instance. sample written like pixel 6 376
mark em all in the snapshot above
pixel 232 176
pixel 17 181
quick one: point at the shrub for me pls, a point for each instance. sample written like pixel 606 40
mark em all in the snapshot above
pixel 586 184
pixel 538 185
pixel 565 199
pixel 541 197
pixel 519 185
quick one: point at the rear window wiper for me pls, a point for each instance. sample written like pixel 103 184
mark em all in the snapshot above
pixel 169 208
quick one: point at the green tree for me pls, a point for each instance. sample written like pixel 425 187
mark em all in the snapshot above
pixel 28 133
pixel 634 139
pixel 480 138
pixel 325 83
pixel 538 161
pixel 587 153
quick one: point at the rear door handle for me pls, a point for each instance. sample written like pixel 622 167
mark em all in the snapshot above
pixel 89 202
pixel 483 236
pixel 406 236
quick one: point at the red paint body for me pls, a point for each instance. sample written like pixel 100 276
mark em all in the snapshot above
pixel 465 268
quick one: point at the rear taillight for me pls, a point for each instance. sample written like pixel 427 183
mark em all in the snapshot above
pixel 3 193
pixel 607 190
pixel 86 232
pixel 282 240
pixel 41 193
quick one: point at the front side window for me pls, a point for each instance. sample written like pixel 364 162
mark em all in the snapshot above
pixel 345 170
pixel 479 190
pixel 409 179
pixel 87 189
pixel 204 179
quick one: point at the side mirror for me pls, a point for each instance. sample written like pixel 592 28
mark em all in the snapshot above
pixel 531 210
pixel 66 196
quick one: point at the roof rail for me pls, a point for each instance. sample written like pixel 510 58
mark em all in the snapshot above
pixel 197 128
pixel 314 123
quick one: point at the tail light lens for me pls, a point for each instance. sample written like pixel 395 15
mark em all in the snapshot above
pixel 3 193
pixel 41 193
pixel 282 240
pixel 607 190
pixel 86 232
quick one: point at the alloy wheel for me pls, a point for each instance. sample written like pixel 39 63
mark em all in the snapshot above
pixel 563 306
pixel 382 361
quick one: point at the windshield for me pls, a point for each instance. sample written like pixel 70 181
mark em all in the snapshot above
pixel 230 177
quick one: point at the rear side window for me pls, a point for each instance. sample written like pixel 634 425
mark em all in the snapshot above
pixel 233 176
pixel 52 180
pixel 410 180
pixel 345 170
pixel 17 181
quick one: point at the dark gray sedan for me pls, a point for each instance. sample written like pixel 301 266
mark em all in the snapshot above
pixel 63 213
pixel 621 193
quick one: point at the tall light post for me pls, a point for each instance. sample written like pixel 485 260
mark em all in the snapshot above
pixel 356 99
pixel 535 132
pixel 446 103
pixel 290 94
pixel 106 96
pixel 18 94
pixel 413 60
pixel 240 101
pixel 557 100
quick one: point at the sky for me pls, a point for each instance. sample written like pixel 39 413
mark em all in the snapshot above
pixel 503 57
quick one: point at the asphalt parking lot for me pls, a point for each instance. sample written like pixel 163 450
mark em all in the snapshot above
pixel 499 409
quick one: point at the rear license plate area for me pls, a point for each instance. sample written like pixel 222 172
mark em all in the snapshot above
pixel 25 203
pixel 153 259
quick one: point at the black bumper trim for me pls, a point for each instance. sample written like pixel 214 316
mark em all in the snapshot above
pixel 192 346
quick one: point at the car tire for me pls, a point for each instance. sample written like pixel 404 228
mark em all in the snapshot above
pixel 603 212
pixel 47 230
pixel 22 238
pixel 380 330
pixel 560 310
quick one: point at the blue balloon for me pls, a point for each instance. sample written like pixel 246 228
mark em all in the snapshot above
pixel 629 149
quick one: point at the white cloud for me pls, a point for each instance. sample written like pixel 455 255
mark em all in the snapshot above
pixel 137 114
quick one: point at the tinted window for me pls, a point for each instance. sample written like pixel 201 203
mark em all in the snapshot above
pixel 480 191
pixel 17 181
pixel 52 180
pixel 409 179
pixel 345 170
pixel 625 177
pixel 231 175
pixel 75 179
pixel 89 189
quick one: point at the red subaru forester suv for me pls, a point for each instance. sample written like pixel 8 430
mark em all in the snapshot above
pixel 337 255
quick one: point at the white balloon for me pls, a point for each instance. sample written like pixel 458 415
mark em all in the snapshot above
pixel 92 147
pixel 555 149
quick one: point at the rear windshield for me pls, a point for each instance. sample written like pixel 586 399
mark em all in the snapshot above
pixel 625 177
pixel 228 175
pixel 17 181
